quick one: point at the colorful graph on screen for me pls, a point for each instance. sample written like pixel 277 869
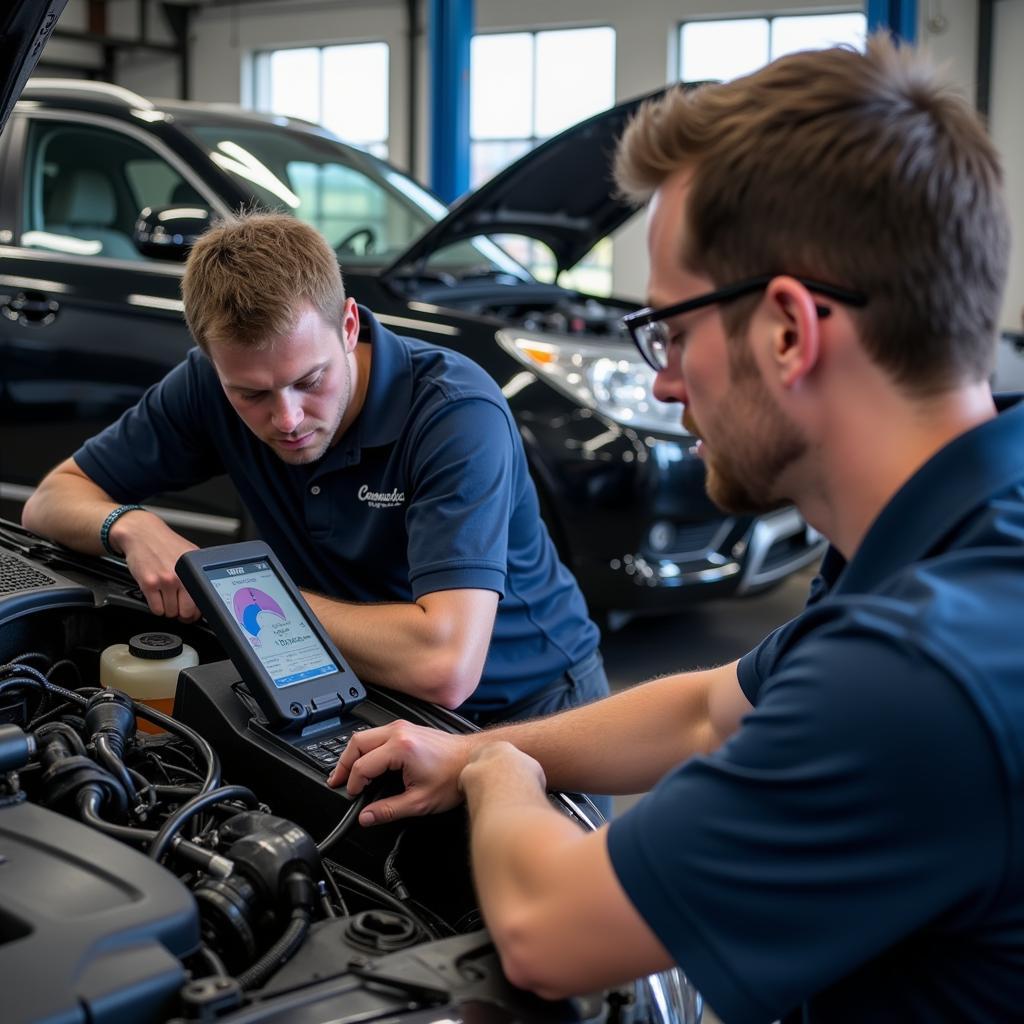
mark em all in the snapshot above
pixel 248 603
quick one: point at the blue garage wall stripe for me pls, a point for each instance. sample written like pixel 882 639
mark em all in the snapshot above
pixel 450 31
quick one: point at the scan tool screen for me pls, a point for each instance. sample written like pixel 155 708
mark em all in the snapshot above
pixel 271 623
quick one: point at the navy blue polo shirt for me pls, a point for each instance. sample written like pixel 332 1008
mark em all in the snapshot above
pixel 428 490
pixel 854 851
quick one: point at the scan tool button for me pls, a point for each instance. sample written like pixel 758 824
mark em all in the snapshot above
pixel 327 702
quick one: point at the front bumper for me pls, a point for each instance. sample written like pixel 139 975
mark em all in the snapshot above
pixel 631 518
pixel 742 557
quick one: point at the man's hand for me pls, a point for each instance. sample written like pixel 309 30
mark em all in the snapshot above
pixel 430 762
pixel 500 760
pixel 151 549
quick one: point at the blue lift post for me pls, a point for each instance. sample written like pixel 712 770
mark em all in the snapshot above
pixel 450 30
pixel 898 16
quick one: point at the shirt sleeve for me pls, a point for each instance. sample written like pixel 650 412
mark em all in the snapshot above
pixel 159 444
pixel 463 482
pixel 755 666
pixel 861 799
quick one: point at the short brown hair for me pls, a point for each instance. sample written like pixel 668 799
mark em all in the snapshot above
pixel 247 277
pixel 859 169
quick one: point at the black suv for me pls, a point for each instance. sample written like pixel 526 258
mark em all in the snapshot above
pixel 101 192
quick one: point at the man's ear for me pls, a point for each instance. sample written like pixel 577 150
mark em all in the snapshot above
pixel 350 325
pixel 795 330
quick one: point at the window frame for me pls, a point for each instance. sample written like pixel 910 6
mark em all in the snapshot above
pixel 258 87
pixel 18 156
pixel 533 139
pixel 769 17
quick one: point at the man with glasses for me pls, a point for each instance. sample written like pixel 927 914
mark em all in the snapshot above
pixel 834 832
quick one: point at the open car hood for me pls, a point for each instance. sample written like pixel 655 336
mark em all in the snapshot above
pixel 25 26
pixel 560 193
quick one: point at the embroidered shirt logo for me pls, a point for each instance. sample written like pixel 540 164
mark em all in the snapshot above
pixel 381 499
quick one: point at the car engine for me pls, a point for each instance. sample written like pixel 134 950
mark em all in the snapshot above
pixel 160 868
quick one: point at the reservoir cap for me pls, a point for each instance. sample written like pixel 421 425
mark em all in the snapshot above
pixel 156 646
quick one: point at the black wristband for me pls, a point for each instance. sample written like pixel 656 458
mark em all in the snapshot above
pixel 109 522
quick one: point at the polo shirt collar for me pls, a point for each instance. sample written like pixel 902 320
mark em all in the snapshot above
pixel 963 475
pixel 389 390
pixel 385 407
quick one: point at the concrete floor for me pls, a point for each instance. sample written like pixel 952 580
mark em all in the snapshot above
pixel 703 636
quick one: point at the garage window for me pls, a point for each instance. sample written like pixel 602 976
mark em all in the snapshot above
pixel 528 86
pixel 726 48
pixel 524 88
pixel 344 88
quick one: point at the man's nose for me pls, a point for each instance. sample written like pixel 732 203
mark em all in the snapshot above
pixel 287 414
pixel 670 384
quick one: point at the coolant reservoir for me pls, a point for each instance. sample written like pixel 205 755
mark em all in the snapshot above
pixel 146 668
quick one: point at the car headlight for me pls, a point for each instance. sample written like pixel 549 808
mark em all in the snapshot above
pixel 610 378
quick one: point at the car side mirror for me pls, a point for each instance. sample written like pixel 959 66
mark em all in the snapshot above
pixel 168 232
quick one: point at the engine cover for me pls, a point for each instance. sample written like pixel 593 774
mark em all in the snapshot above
pixel 90 929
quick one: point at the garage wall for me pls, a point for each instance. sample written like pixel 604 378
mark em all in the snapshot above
pixel 73 54
pixel 225 37
pixel 1005 122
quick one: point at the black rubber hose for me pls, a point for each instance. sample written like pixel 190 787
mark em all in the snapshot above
pixel 173 824
pixel 63 663
pixel 42 718
pixel 146 789
pixel 89 801
pixel 106 757
pixel 172 725
pixel 188 792
pixel 21 682
pixel 61 729
pixel 280 952
pixel 36 655
pixel 28 670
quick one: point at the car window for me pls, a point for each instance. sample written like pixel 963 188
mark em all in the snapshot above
pixel 368 211
pixel 84 187
pixel 363 218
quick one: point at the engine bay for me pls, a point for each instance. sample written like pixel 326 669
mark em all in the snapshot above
pixel 533 305
pixel 194 870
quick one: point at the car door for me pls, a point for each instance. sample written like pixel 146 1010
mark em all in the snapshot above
pixel 87 323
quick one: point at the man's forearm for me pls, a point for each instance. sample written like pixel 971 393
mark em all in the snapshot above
pixel 512 829
pixel 551 899
pixel 69 509
pixel 623 743
pixel 409 647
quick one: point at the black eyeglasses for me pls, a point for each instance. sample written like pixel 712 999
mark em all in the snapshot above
pixel 647 328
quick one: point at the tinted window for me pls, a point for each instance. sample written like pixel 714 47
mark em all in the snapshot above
pixel 317 181
pixel 85 187
pixel 369 212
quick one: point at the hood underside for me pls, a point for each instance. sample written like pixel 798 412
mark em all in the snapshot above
pixel 560 193
pixel 25 26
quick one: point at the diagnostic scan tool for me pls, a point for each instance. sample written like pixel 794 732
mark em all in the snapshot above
pixel 301 685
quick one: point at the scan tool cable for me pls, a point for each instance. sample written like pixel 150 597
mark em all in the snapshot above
pixel 347 820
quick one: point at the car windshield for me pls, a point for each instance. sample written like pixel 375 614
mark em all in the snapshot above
pixel 368 211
